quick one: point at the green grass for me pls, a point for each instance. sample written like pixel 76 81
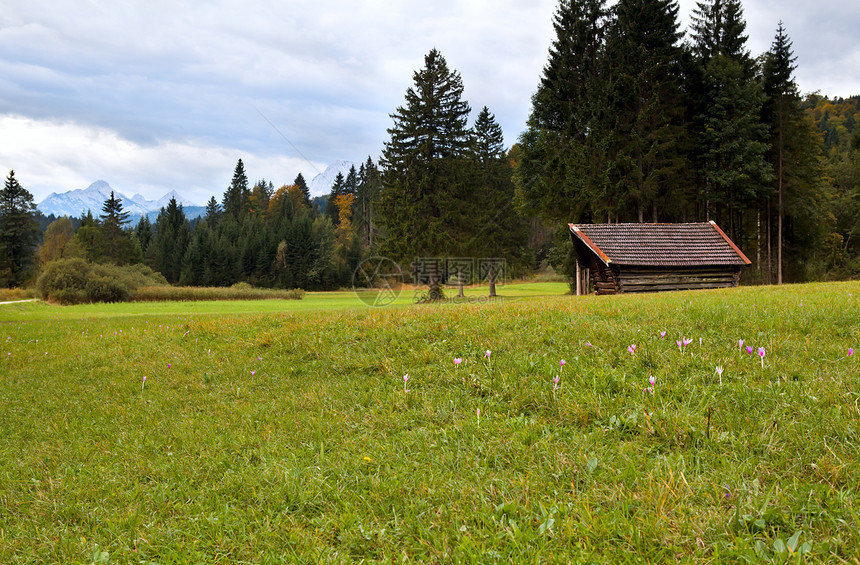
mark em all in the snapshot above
pixel 279 435
pixel 311 301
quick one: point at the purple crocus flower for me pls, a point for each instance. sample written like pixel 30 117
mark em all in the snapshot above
pixel 631 349
pixel 850 351
pixel 662 335
pixel 458 360
pixel 749 349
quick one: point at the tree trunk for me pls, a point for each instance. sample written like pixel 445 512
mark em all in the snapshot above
pixel 491 274
pixel 779 206
pixel 459 282
pixel 758 240
pixel 769 246
pixel 435 287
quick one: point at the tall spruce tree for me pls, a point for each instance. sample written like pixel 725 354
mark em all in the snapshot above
pixel 143 233
pixel 338 188
pixel 730 140
pixel 306 193
pixel 420 163
pixel 19 232
pixel 118 244
pixel 795 156
pixel 495 233
pixel 644 58
pixel 561 171
pixel 213 213
pixel 237 195
pixel 366 198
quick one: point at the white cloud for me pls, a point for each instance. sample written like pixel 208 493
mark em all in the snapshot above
pixel 52 156
pixel 162 94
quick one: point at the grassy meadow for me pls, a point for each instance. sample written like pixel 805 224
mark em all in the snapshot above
pixel 285 431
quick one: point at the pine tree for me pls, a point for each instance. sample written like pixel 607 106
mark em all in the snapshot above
pixel 730 140
pixel 561 171
pixel 213 213
pixel 337 189
pixel 237 194
pixel 170 242
pixel 494 230
pixel 300 182
pixel 350 183
pixel 19 232
pixel 428 138
pixel 119 248
pixel 143 233
pixel 794 156
pixel 366 198
pixel 645 106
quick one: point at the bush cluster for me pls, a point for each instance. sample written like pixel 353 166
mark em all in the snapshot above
pixel 74 281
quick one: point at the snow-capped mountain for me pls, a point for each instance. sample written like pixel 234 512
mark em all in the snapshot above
pixel 76 202
pixel 321 184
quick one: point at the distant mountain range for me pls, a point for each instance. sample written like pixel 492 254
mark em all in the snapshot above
pixel 75 203
pixel 321 184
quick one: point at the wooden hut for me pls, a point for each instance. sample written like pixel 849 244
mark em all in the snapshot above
pixel 618 258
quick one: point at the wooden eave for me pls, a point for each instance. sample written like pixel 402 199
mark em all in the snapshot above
pixel 731 243
pixel 590 244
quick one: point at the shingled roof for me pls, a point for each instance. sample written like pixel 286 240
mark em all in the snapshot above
pixel 660 245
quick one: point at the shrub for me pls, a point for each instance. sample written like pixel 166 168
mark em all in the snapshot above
pixel 74 281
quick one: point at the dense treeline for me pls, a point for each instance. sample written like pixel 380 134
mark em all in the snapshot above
pixel 256 235
pixel 630 124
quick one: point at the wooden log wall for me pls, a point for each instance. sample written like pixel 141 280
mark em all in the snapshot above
pixel 604 280
pixel 632 279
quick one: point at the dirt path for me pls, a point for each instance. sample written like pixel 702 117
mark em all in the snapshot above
pixel 18 301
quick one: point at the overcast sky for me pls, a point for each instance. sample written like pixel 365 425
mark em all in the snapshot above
pixel 155 95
